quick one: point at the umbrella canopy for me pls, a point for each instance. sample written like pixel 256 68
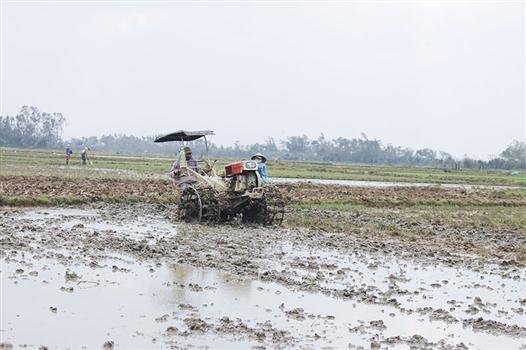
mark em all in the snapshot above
pixel 183 135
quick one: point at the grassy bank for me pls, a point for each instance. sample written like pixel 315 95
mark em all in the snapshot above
pixel 472 217
pixel 496 232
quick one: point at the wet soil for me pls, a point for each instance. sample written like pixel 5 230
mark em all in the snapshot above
pixel 86 189
pixel 402 196
pixel 161 191
pixel 132 274
pixel 449 235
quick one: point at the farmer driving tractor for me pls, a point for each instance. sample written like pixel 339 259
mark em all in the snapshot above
pixel 178 173
pixel 237 192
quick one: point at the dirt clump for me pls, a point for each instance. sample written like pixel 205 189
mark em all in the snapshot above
pixel 494 327
pixel 196 324
pixel 71 276
pixel 108 345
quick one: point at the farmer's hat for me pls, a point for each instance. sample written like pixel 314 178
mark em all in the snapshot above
pixel 260 156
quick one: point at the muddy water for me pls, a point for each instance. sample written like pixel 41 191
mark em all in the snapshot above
pixel 419 284
pixel 141 227
pixel 64 297
pixel 383 184
pixel 127 304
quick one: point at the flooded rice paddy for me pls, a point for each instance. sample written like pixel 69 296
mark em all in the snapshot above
pixel 133 277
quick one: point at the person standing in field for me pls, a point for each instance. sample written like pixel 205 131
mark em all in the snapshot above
pixel 69 152
pixel 84 155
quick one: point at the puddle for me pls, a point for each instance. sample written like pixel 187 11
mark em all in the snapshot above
pixel 382 184
pixel 139 228
pixel 121 300
pixel 53 213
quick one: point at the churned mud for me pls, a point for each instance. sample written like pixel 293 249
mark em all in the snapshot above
pixel 160 190
pixel 131 275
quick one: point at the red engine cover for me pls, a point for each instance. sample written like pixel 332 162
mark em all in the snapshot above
pixel 233 169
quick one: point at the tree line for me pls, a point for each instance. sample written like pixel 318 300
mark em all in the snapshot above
pixel 32 128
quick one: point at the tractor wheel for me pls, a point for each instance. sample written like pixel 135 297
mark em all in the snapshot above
pixel 190 205
pixel 211 212
pixel 256 213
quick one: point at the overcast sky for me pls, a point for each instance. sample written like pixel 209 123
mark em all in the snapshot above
pixel 448 76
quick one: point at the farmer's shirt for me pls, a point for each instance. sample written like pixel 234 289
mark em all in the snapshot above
pixel 262 170
pixel 191 163
pixel 69 151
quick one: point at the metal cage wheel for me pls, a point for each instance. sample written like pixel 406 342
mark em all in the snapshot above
pixel 190 205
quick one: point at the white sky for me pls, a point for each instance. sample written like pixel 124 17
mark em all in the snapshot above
pixel 444 75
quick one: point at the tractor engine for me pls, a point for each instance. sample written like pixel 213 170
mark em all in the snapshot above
pixel 243 176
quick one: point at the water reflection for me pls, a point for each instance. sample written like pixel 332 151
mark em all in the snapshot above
pixel 189 283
